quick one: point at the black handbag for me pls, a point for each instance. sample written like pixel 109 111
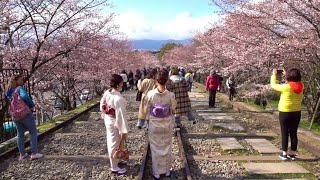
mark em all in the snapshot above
pixel 139 96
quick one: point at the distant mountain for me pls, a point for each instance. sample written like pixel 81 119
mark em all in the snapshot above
pixel 154 45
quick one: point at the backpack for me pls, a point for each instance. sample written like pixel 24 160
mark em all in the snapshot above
pixel 18 108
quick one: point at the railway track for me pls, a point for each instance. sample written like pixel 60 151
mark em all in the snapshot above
pixel 76 149
pixel 180 167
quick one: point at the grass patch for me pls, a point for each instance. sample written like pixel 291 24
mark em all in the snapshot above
pixel 200 87
pixel 63 117
pixel 306 124
pixel 273 103
pixel 8 146
pixel 251 103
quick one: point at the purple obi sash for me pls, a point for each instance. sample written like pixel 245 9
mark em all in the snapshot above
pixel 160 111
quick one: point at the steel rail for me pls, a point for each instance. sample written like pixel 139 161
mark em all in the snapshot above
pixel 5 155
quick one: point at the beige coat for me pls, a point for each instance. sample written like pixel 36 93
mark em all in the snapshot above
pixel 145 86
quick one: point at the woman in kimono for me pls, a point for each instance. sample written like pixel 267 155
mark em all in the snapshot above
pixel 115 119
pixel 160 104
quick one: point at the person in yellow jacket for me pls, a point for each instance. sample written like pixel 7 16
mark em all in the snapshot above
pixel 289 109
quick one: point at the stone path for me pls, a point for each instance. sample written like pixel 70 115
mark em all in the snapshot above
pixel 217 117
pixel 199 110
pixel 229 143
pixel 263 146
pixel 274 168
pixel 229 125
pixel 212 114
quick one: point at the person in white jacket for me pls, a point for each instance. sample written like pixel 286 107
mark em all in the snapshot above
pixel 115 119
pixel 124 76
pixel 231 84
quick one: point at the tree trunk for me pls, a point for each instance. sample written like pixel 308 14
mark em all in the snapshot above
pixel 74 101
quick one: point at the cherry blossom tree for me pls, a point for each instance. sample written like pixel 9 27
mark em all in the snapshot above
pixel 181 56
pixel 66 45
pixel 257 36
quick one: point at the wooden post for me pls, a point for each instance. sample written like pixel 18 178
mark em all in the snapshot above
pixel 315 112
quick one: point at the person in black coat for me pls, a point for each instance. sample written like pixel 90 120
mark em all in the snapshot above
pixel 137 76
pixel 130 79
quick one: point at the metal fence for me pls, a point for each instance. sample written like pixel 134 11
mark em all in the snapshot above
pixel 7 129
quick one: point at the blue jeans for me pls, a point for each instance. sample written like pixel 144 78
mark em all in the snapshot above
pixel 189 116
pixel 141 123
pixel 27 124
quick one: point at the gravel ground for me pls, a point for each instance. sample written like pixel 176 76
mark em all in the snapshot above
pixel 60 144
pixel 213 169
pixel 85 127
pixel 200 127
pixel 175 147
pixel 249 123
pixel 61 169
pixel 96 145
pixel 201 146
pixel 97 127
pixel 209 145
pixel 177 172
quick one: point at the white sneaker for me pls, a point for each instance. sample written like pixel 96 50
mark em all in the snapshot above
pixel 122 171
pixel 119 171
pixel 36 156
pixel 22 157
pixel 156 176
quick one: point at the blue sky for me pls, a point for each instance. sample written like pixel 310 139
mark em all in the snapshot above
pixel 163 19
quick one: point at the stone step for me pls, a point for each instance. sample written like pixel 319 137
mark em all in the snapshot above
pixel 278 179
pixel 263 146
pixel 211 121
pixel 248 158
pixel 212 114
pixel 229 143
pixel 224 135
pixel 199 101
pixel 196 94
pixel 214 117
pixel 231 126
pixel 207 109
pixel 274 168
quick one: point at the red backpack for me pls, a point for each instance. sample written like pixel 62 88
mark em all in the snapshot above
pixel 18 108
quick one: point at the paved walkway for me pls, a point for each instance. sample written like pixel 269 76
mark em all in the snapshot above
pixel 220 118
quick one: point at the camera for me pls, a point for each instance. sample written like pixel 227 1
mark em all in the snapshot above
pixel 279 75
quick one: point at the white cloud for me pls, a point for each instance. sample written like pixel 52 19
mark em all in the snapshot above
pixel 184 25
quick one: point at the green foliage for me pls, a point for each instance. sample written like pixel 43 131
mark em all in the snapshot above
pixel 166 48
pixel 315 126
